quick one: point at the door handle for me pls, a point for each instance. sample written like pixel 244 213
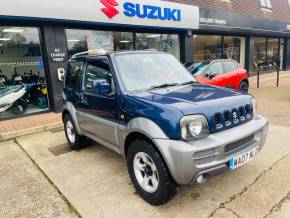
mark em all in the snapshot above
pixel 84 99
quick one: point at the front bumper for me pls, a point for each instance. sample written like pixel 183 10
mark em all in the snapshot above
pixel 186 160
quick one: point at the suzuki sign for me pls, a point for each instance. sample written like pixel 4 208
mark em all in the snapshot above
pixel 153 13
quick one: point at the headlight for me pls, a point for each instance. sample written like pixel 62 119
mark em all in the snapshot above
pixel 254 105
pixel 194 127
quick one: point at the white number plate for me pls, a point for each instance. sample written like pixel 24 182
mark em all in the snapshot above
pixel 242 159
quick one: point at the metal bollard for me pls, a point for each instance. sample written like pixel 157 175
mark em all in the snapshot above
pixel 258 78
pixel 278 77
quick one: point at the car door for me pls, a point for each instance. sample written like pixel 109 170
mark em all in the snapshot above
pixel 72 81
pixel 230 73
pixel 99 113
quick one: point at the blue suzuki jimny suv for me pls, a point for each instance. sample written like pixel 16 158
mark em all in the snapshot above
pixel 171 129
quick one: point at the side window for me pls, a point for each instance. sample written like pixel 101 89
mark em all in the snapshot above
pixel 72 74
pixel 205 72
pixel 229 66
pixel 216 68
pixel 96 70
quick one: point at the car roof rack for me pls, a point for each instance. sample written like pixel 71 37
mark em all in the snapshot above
pixel 99 51
pixel 150 49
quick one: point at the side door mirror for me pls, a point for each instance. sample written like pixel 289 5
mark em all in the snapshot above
pixel 212 75
pixel 213 70
pixel 205 72
pixel 60 74
pixel 101 87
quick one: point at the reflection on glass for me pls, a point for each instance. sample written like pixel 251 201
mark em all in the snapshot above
pixel 206 47
pixel 234 48
pixel 22 79
pixel 123 41
pixel 163 42
pixel 260 50
pixel 273 51
pixel 143 71
pixel 268 53
pixel 84 40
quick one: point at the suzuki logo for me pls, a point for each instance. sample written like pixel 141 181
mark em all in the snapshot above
pixel 110 9
pixel 235 115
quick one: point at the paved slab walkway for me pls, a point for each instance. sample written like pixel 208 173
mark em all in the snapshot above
pixel 274 104
pixel 96 182
pixel 10 129
pixel 270 80
pixel 24 191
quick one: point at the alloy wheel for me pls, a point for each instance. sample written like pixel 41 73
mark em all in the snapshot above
pixel 146 172
pixel 70 131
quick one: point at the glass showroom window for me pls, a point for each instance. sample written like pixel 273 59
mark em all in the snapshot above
pixel 234 48
pixel 84 40
pixel 269 52
pixel 163 42
pixel 206 47
pixel 273 52
pixel 22 78
pixel 260 51
pixel 123 41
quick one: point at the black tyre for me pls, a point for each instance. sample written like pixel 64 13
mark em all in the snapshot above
pixel 75 140
pixel 244 87
pixel 19 107
pixel 149 173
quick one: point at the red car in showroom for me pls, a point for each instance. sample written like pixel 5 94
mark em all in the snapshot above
pixel 223 72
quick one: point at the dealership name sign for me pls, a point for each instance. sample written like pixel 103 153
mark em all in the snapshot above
pixel 214 21
pixel 124 12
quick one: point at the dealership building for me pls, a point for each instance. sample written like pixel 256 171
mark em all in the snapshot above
pixel 37 37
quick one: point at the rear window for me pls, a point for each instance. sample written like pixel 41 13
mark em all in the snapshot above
pixel 72 74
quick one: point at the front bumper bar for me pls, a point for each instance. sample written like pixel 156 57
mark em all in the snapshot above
pixel 183 158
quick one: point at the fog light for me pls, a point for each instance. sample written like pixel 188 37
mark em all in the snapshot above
pixel 200 179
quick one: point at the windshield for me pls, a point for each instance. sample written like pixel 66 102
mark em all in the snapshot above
pixel 146 70
pixel 197 68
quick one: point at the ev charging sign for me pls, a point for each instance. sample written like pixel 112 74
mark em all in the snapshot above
pixel 148 13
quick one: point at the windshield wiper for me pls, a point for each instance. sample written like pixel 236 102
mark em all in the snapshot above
pixel 162 86
pixel 188 83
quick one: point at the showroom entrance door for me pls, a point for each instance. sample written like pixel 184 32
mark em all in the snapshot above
pixel 23 88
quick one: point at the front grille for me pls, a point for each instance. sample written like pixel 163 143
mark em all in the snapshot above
pixel 239 145
pixel 226 116
pixel 248 111
pixel 217 118
pixel 241 111
pixel 233 117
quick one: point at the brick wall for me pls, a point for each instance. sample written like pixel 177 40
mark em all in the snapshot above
pixel 280 12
